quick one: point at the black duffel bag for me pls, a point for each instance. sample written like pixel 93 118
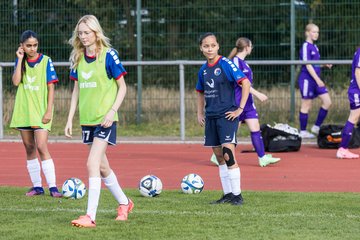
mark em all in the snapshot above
pixel 330 137
pixel 280 138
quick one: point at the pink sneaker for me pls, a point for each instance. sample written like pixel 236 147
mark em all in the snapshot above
pixel 54 192
pixel 124 210
pixel 35 191
pixel 345 153
pixel 83 221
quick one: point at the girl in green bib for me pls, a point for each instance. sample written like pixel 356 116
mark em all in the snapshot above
pixel 35 78
pixel 99 90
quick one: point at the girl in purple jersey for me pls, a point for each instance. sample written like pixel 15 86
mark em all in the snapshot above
pixel 99 76
pixel 243 49
pixel 310 84
pixel 35 78
pixel 217 80
pixel 354 100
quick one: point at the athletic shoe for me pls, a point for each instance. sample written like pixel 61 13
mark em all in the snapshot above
pixel 267 159
pixel 315 130
pixel 305 134
pixel 345 153
pixel 237 200
pixel 124 210
pixel 54 192
pixel 83 221
pixel 224 199
pixel 35 191
pixel 214 160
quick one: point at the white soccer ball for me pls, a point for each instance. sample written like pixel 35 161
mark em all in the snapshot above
pixel 73 188
pixel 192 183
pixel 150 186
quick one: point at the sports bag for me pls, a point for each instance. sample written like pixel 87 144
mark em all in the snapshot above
pixel 280 138
pixel 330 137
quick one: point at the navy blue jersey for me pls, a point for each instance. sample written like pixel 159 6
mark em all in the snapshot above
pixel 218 82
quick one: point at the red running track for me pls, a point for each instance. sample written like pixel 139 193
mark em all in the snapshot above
pixel 309 170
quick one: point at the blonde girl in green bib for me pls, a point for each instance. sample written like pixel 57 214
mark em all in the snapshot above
pixel 99 90
pixel 35 78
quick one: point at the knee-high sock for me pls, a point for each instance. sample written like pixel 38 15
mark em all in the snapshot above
pixel 48 169
pixel 321 116
pixel 303 118
pixel 346 134
pixel 224 178
pixel 258 143
pixel 93 196
pixel 111 182
pixel 33 167
pixel 234 175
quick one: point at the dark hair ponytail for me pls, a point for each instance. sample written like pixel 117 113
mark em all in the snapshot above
pixel 25 36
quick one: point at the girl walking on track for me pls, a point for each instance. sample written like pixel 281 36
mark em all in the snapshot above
pixel 249 115
pixel 35 78
pixel 310 84
pixel 353 95
pixel 217 80
pixel 99 89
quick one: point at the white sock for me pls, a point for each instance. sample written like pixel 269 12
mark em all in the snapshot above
pixel 234 175
pixel 113 185
pixel 48 169
pixel 33 167
pixel 93 196
pixel 225 180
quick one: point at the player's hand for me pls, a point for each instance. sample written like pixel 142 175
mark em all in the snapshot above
pixel 68 129
pixel 20 53
pixel 46 118
pixel 321 83
pixel 329 66
pixel 108 119
pixel 233 114
pixel 262 97
pixel 201 119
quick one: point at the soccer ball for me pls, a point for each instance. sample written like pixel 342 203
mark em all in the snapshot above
pixel 73 188
pixel 192 183
pixel 150 186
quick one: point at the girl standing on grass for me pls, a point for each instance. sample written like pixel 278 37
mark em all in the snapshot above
pixel 217 80
pixel 310 84
pixel 35 78
pixel 353 96
pixel 249 115
pixel 100 89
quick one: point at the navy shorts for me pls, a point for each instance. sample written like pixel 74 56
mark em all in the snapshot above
pixel 107 134
pixel 219 131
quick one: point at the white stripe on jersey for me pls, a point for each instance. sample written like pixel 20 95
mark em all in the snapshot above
pixel 304 51
pixel 356 99
pixel 358 65
pixel 306 87
pixel 236 61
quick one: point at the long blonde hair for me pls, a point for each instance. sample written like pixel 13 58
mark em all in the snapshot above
pixel 240 45
pixel 78 48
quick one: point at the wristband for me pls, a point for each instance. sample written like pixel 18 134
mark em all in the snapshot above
pixel 113 109
pixel 241 108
